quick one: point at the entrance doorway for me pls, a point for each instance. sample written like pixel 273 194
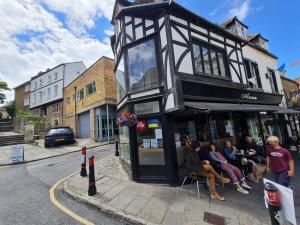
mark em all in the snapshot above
pixel 150 149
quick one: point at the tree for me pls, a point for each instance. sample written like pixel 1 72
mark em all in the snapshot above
pixel 10 108
pixel 3 87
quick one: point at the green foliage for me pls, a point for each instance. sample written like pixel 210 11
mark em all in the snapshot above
pixel 25 117
pixel 3 87
pixel 10 108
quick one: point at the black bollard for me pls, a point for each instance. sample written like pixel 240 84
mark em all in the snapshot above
pixel 274 203
pixel 117 148
pixel 92 184
pixel 83 172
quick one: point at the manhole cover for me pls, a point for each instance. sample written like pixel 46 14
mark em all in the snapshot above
pixel 214 219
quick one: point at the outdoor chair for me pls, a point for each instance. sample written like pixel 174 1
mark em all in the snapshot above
pixel 188 174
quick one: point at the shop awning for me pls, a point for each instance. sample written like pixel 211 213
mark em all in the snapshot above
pixel 228 107
pixel 283 110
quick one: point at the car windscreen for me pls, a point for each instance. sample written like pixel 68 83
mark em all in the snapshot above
pixel 60 131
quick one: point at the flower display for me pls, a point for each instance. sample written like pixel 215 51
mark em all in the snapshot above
pixel 127 119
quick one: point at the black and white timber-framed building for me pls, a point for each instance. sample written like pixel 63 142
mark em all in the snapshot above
pixel 183 76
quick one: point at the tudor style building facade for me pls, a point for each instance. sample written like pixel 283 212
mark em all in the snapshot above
pixel 183 76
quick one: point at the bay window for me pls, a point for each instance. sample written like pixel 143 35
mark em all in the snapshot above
pixel 209 60
pixel 121 84
pixel 142 66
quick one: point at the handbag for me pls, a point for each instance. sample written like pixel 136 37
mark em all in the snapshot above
pixel 259 171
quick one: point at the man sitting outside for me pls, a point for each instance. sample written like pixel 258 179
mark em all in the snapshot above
pixel 280 162
pixel 203 169
pixel 253 151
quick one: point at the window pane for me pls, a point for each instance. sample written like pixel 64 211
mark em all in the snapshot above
pixel 198 59
pixel 120 76
pixel 214 62
pixel 222 65
pixel 206 60
pixel 146 108
pixel 142 66
pixel 124 144
pixel 150 142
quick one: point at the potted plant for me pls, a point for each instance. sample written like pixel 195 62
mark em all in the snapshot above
pixel 127 119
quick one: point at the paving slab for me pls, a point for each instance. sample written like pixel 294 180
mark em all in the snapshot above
pixel 163 205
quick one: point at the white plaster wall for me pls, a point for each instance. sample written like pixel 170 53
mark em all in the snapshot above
pixel 44 90
pixel 264 62
pixel 72 71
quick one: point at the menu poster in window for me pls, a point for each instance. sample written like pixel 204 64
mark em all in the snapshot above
pixel 146 143
pixel 152 123
pixel 154 143
pixel 158 133
pixel 160 143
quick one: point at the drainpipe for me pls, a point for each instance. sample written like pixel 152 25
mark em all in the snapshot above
pixel 107 120
pixel 75 90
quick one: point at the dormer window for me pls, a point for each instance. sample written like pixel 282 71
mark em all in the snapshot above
pixel 241 31
pixel 236 27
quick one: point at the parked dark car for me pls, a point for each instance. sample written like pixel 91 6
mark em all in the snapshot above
pixel 58 136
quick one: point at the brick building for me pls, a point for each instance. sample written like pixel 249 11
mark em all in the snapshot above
pixel 90 100
pixel 291 90
pixel 22 97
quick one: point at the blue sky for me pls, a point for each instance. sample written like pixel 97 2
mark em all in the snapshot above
pixel 36 35
pixel 278 21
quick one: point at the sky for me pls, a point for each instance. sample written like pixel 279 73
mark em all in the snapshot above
pixel 40 34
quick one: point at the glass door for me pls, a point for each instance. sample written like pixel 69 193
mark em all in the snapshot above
pixel 150 148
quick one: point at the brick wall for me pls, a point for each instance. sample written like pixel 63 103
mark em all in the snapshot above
pixel 19 98
pixel 102 72
pixel 290 89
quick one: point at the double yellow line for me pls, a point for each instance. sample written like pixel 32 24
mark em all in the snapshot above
pixel 63 208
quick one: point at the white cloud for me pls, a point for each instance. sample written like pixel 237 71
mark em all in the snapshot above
pixel 81 14
pixel 240 9
pixel 51 43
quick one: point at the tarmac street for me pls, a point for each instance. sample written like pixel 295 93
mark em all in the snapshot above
pixel 25 188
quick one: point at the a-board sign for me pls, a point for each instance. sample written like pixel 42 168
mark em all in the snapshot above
pixel 17 153
pixel 287 202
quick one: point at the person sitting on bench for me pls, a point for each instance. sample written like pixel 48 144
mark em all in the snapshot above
pixel 233 172
pixel 204 169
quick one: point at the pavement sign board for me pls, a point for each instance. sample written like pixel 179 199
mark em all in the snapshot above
pixel 17 153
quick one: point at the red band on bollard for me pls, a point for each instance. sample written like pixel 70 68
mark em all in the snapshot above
pixel 83 150
pixel 91 161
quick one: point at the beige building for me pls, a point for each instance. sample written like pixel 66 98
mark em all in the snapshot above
pixel 291 91
pixel 90 101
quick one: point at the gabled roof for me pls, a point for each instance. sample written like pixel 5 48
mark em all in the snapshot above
pixel 231 20
pixel 153 9
pixel 23 84
pixel 83 73
pixel 251 37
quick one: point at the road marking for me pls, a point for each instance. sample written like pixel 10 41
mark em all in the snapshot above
pixel 63 208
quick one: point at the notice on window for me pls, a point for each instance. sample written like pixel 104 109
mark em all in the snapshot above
pixel 17 153
pixel 158 133
pixel 154 143
pixel 152 123
pixel 146 143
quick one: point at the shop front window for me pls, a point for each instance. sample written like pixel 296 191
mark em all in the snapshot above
pixel 120 77
pixel 146 108
pixel 253 129
pixel 124 147
pixel 150 142
pixel 221 129
pixel 142 66
pixel 268 126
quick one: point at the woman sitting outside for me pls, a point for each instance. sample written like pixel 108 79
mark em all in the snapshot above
pixel 203 169
pixel 234 173
pixel 235 158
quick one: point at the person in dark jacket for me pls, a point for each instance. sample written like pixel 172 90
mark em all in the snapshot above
pixel 204 169
pixel 237 159
pixel 204 155
pixel 253 151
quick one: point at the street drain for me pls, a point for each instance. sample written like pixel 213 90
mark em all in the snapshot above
pixel 214 219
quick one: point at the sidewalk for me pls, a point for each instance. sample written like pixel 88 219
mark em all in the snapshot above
pixel 154 204
pixel 37 152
